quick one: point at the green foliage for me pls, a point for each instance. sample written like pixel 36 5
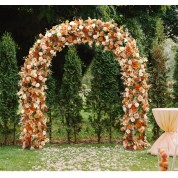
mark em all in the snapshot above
pixel 175 86
pixel 104 98
pixel 170 18
pixel 135 29
pixel 71 102
pixel 52 103
pixel 159 93
pixel 8 84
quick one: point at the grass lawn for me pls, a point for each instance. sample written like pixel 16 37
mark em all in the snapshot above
pixel 84 157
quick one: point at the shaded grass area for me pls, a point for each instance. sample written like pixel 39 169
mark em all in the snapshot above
pixel 84 157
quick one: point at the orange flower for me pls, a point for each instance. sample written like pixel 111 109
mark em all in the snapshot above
pixel 101 33
pixel 137 86
pixel 36 116
pixel 134 109
pixel 69 39
pixel 111 46
pixel 128 50
pixel 100 38
pixel 138 124
pixel 135 65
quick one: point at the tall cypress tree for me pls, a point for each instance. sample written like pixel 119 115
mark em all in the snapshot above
pixel 51 101
pixel 105 97
pixel 8 85
pixel 71 102
pixel 175 86
pixel 159 91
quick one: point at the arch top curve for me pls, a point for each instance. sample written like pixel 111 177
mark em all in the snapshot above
pixel 36 68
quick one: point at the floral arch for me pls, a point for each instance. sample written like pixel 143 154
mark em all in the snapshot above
pixel 36 68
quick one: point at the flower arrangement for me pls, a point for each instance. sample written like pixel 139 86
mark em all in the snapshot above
pixel 163 159
pixel 36 68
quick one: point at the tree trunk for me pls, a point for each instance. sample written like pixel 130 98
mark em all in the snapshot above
pixel 75 135
pixel 99 127
pixel 110 130
pixel 68 128
pixel 68 136
pixel 50 127
pixel 5 133
pixel 14 132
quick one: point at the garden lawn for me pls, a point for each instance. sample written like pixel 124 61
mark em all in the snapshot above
pixel 84 157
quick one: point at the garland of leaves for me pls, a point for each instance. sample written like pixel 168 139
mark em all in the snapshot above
pixel 36 68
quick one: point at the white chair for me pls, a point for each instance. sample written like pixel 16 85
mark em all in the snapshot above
pixel 174 156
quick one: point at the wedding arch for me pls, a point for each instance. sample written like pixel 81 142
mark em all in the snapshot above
pixel 36 68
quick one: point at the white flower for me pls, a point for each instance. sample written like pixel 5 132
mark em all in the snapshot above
pixel 93 25
pixel 24 130
pixel 37 85
pixel 53 32
pixel 40 77
pixel 132 119
pixel 40 53
pixel 40 58
pixel 124 108
pixel 122 48
pixel 145 59
pixel 129 79
pixel 106 37
pixel 72 23
pixel 22 111
pixel 49 35
pixel 69 28
pixel 103 43
pixel 24 96
pixel 27 105
pixel 119 34
pixel 58 34
pixel 127 94
pixel 136 54
pixel 130 62
pixel 134 147
pixel 28 66
pixel 127 131
pixel 38 41
pixel 126 89
pixel 140 74
pixel 53 52
pixel 105 29
pixel 129 105
pixel 80 27
pixel 95 36
pixel 136 104
pixel 145 116
pixel 125 40
pixel 44 132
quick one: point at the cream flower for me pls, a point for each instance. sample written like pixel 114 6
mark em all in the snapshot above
pixel 132 119
pixel 72 23
pixel 69 28
pixel 59 34
pixel 137 105
pixel 80 27
pixel 37 85
pixel 128 131
pixel 130 62
pixel 28 66
pixel 93 25
pixel 49 35
pixel 136 54
pixel 129 105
